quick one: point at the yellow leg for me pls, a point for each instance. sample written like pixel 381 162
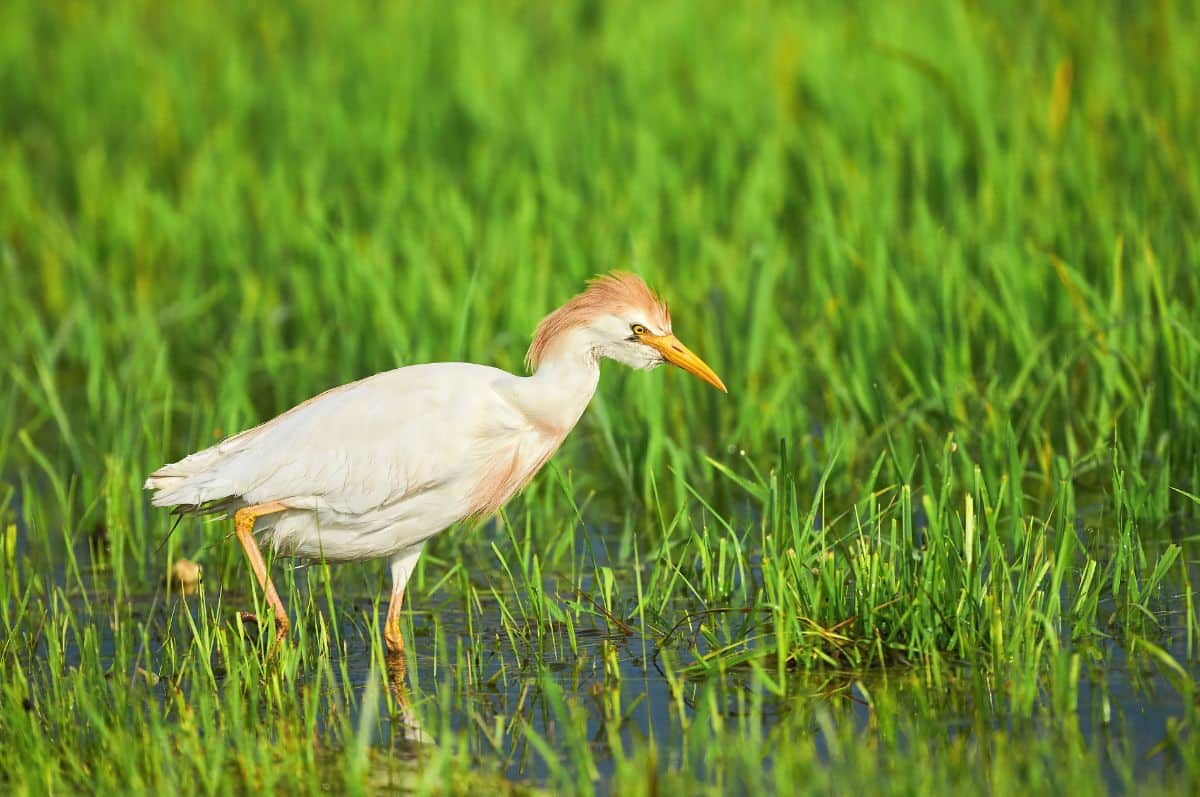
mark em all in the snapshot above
pixel 243 525
pixel 391 631
pixel 402 567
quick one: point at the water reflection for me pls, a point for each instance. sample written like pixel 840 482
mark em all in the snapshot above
pixel 405 725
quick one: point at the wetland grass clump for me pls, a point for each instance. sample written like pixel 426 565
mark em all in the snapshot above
pixel 940 537
pixel 964 567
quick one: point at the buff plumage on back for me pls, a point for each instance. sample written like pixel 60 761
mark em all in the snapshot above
pixel 618 290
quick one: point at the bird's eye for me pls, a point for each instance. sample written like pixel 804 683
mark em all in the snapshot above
pixel 638 329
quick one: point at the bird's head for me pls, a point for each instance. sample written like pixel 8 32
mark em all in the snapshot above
pixel 620 318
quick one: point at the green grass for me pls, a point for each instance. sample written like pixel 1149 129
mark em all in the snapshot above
pixel 940 536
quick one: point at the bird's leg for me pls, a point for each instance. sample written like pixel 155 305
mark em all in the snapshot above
pixel 243 525
pixel 391 630
pixel 402 567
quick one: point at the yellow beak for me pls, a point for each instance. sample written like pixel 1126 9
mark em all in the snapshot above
pixel 678 354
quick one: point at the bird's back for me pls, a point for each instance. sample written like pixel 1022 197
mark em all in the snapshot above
pixel 361 449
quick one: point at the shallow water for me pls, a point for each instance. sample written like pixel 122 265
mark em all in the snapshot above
pixel 1125 712
pixel 498 686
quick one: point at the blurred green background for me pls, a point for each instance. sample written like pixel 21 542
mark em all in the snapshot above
pixel 932 216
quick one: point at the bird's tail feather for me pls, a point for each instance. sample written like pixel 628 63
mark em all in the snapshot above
pixel 194 484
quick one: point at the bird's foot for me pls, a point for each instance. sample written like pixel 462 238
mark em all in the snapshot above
pixel 251 625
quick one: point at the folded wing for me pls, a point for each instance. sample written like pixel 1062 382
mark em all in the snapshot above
pixel 352 449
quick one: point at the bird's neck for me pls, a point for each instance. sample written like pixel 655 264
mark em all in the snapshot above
pixel 559 391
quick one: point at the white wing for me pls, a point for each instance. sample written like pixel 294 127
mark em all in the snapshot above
pixel 355 448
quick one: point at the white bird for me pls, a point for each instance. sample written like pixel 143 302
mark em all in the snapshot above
pixel 375 468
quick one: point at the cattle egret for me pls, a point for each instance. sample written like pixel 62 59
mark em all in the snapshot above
pixel 375 468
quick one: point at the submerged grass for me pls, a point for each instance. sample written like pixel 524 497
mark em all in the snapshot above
pixel 941 535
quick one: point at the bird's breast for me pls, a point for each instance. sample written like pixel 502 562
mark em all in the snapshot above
pixel 509 468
